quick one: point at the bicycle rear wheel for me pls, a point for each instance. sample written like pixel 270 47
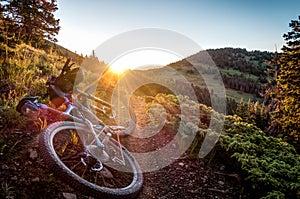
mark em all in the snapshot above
pixel 63 149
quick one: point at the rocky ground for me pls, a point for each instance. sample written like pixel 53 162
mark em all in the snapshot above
pixel 24 174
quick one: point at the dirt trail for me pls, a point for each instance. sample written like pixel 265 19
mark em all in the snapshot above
pixel 186 177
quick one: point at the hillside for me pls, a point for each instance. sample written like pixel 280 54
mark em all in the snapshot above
pixel 243 74
pixel 241 70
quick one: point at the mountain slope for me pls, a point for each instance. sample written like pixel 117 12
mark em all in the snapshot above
pixel 243 74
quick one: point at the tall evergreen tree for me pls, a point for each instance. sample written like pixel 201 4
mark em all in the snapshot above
pixel 33 19
pixel 288 112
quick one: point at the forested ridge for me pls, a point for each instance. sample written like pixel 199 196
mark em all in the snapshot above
pixel 242 70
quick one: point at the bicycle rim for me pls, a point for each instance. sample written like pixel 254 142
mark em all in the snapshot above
pixel 63 149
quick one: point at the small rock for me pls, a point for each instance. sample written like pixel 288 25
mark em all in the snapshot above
pixel 221 182
pixel 69 195
pixel 5 167
pixel 180 164
pixel 222 168
pixel 37 179
pixel 14 178
pixel 33 155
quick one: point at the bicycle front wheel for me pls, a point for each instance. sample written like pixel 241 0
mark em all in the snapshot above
pixel 63 149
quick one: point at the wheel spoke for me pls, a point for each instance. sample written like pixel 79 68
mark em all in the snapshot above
pixel 82 175
pixel 73 167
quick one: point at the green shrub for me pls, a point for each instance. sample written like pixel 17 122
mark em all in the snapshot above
pixel 271 166
pixel 194 123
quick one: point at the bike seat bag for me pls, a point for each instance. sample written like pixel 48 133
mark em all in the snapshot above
pixel 66 80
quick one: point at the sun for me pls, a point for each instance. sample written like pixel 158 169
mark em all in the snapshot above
pixel 119 69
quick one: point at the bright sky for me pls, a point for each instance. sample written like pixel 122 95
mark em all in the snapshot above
pixel 255 24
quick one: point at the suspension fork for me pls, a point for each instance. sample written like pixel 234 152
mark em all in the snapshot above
pixel 101 145
pixel 97 141
pixel 92 130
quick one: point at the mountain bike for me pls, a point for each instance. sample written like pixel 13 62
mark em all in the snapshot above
pixel 82 150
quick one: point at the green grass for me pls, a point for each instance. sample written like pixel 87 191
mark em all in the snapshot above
pixel 27 69
pixel 232 72
pixel 23 73
pixel 7 190
pixel 237 95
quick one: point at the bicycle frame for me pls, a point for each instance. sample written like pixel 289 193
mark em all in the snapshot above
pixel 76 107
pixel 79 141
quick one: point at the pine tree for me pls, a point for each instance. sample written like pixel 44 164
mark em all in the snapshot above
pixel 33 20
pixel 241 110
pixel 288 113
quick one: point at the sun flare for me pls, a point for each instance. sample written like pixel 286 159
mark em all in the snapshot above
pixel 118 69
pixel 143 59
